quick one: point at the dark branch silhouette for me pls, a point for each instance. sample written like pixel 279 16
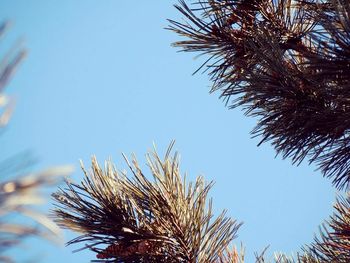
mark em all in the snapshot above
pixel 285 62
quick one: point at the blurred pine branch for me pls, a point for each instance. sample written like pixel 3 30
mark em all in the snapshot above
pixel 21 195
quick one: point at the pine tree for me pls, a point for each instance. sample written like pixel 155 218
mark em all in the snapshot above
pixel 285 62
pixel 288 64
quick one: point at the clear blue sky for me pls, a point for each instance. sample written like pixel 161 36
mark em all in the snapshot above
pixel 101 78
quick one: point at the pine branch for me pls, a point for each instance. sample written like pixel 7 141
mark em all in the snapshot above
pixel 334 242
pixel 19 196
pixel 8 66
pixel 136 219
pixel 285 62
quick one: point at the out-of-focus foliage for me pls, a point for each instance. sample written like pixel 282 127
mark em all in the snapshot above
pixel 135 219
pixel 19 196
pixel 8 65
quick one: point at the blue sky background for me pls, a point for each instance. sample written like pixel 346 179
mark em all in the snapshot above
pixel 101 78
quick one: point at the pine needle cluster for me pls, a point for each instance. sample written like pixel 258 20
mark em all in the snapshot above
pixel 331 246
pixel 334 242
pixel 286 62
pixel 136 219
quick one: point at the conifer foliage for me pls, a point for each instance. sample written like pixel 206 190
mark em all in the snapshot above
pixel 334 243
pixel 136 219
pixel 20 196
pixel 286 62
